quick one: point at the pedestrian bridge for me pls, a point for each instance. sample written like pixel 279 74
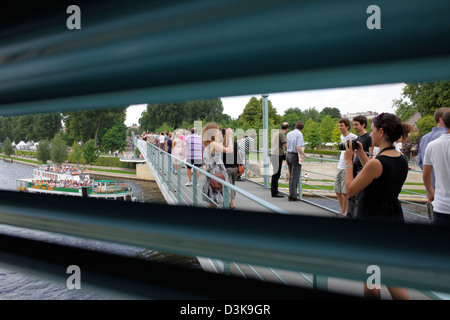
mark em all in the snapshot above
pixel 250 196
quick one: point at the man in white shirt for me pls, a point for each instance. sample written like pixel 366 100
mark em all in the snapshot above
pixel 295 147
pixel 339 182
pixel 161 140
pixel 437 159
pixel 435 133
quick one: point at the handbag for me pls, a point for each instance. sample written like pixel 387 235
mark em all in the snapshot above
pixel 240 169
pixel 215 184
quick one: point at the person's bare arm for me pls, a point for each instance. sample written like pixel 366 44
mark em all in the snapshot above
pixel 427 181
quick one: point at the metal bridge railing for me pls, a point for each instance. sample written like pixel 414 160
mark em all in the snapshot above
pixel 319 189
pixel 420 206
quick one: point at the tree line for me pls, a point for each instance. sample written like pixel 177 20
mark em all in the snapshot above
pixel 320 126
pixel 103 126
pixel 87 132
pixel 172 116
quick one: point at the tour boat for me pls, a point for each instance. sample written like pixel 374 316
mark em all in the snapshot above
pixel 72 181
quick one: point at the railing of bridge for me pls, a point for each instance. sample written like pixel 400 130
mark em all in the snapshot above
pixel 173 182
pixel 417 206
pixel 323 184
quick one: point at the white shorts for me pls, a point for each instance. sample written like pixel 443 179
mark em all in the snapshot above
pixel 339 182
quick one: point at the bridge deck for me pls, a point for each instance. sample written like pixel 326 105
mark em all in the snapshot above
pixel 294 207
pixel 242 203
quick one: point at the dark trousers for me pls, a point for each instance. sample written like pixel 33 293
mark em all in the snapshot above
pixel 441 219
pixel 352 206
pixel 277 162
pixel 295 169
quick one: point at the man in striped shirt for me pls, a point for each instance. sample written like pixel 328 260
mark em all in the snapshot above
pixel 194 153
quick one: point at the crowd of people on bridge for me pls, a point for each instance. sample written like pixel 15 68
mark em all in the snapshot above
pixel 197 149
pixel 365 189
pixel 370 173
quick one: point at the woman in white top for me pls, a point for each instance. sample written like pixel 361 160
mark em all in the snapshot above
pixel 178 150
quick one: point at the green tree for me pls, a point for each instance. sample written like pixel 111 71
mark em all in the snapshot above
pixel 336 135
pixel 45 126
pixel 43 151
pixel 178 113
pixel 165 127
pixel 425 124
pixel 90 151
pixel 312 134
pixel 8 149
pixel 326 128
pixel 58 150
pixel 252 114
pixel 334 113
pixel 403 109
pixel 210 110
pixel 115 138
pixel 92 124
pixel 312 113
pixel 23 127
pixel 292 115
pixel 425 97
pixel 76 156
pixel 5 128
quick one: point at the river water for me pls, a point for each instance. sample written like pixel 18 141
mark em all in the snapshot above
pixel 17 286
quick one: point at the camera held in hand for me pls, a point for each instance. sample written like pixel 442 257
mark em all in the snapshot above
pixel 355 144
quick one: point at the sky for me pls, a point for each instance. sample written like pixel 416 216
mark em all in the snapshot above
pixel 376 98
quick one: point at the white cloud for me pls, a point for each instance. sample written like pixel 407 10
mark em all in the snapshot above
pixel 134 114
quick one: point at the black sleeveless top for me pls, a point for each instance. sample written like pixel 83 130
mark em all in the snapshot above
pixel 379 200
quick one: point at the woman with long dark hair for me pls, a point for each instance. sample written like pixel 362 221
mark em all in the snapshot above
pixel 381 179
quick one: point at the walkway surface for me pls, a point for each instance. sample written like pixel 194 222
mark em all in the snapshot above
pixel 294 207
pixel 242 203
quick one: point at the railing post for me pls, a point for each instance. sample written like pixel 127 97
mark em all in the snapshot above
pixel 265 110
pixel 194 186
pixel 226 268
pixel 320 282
pixel 169 165
pixel 158 167
pixel 162 167
pixel 300 187
pixel 226 197
pixel 245 166
pixel 179 183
